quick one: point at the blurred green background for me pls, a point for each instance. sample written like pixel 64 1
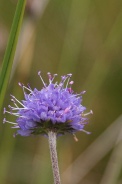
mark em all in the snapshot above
pixel 82 37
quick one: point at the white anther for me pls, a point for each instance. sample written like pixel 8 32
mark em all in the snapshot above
pixel 39 73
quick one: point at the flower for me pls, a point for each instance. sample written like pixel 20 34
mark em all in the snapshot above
pixel 53 108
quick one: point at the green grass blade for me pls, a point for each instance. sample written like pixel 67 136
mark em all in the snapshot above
pixel 11 48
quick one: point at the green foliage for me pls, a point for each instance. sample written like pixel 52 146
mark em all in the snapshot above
pixel 10 50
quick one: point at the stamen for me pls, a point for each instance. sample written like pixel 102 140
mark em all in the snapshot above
pixel 29 86
pixel 16 108
pixel 71 82
pixel 62 81
pixel 69 76
pixel 91 112
pixel 20 84
pixel 17 100
pixel 39 73
pixel 24 87
pixel 85 131
pixel 4 110
pixel 70 90
pixel 75 138
pixel 15 126
pixel 15 114
pixel 14 103
pixel 56 84
pixel 50 77
pixel 10 106
pixel 54 77
pixel 29 97
pixel 83 92
pixel 5 121
pixel 63 77
pixel 76 95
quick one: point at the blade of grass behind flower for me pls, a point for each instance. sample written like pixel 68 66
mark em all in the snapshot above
pixel 101 65
pixel 93 154
pixel 113 168
pixel 74 35
pixel 10 50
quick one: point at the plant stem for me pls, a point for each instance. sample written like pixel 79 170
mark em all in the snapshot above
pixel 53 154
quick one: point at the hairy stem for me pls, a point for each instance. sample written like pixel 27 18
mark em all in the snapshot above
pixel 53 154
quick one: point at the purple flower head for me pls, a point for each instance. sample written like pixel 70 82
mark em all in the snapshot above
pixel 53 108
